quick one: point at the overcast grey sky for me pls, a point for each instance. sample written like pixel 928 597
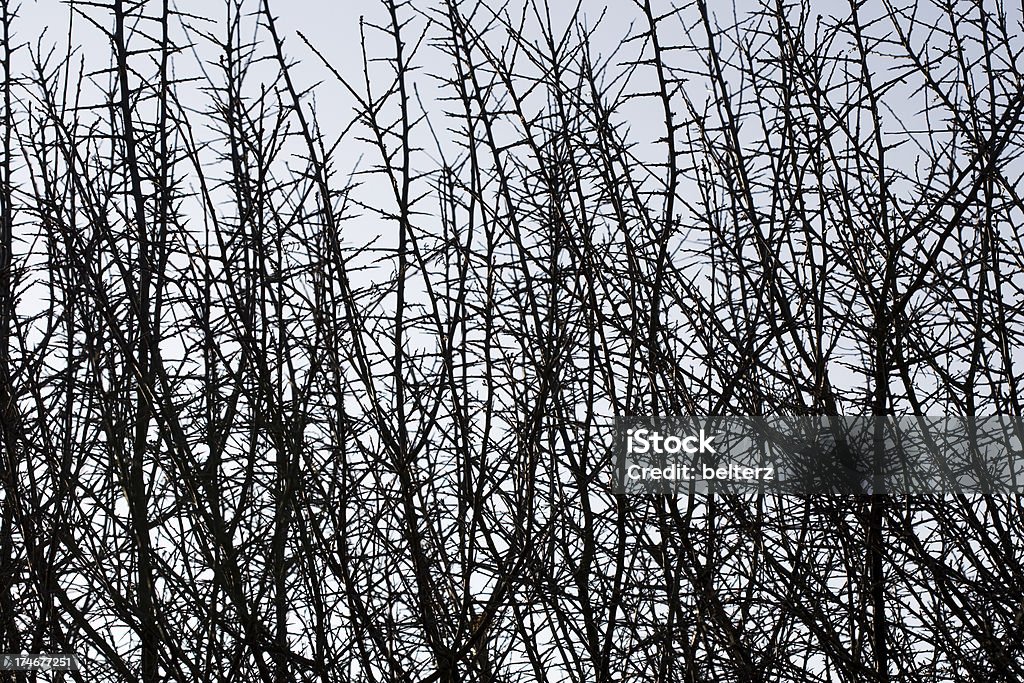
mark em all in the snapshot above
pixel 334 29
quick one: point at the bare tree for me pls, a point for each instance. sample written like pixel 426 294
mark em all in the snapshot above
pixel 294 395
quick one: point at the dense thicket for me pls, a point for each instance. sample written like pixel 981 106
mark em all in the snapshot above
pixel 295 391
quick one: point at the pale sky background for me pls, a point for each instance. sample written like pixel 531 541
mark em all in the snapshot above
pixel 333 28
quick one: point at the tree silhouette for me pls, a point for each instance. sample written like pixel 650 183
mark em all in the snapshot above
pixel 295 391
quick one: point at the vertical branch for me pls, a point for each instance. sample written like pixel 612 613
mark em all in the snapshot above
pixel 138 499
pixel 11 639
pixel 884 332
